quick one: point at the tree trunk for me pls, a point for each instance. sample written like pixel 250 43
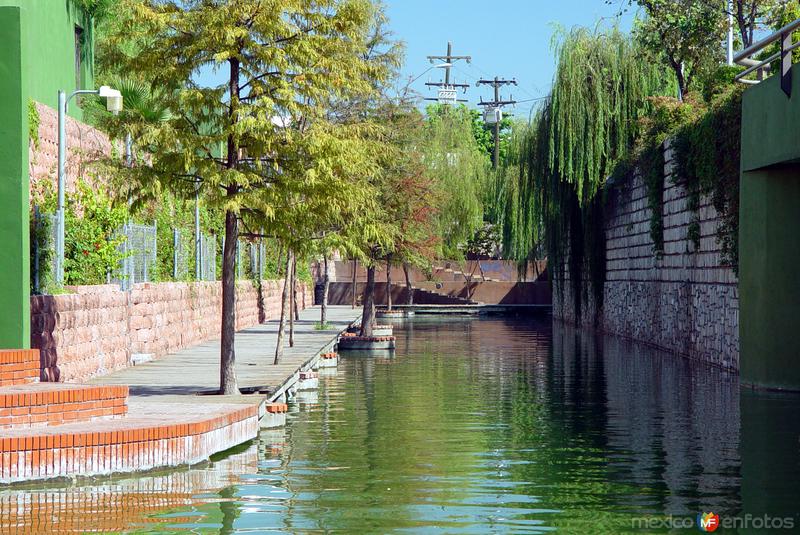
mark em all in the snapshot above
pixel 294 291
pixel 409 289
pixel 281 263
pixel 355 269
pixel 368 316
pixel 326 283
pixel 284 306
pixel 227 364
pixel 227 370
pixel 292 301
pixel 677 68
pixel 389 282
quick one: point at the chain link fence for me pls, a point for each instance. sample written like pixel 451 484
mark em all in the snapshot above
pixel 208 258
pixel 182 251
pixel 139 251
pixel 250 259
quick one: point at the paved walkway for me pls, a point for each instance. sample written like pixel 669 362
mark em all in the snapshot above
pixel 196 369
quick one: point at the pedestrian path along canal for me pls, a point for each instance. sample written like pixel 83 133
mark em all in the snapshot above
pixel 473 425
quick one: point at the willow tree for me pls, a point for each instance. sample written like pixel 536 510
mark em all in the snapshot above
pixel 275 59
pixel 459 169
pixel 573 144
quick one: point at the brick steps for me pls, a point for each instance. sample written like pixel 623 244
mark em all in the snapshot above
pixel 153 434
pixel 19 366
pixel 50 430
pixel 46 404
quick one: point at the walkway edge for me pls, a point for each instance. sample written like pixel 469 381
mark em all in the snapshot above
pixel 280 392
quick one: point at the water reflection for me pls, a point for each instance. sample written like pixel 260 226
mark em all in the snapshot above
pixel 131 503
pixel 475 426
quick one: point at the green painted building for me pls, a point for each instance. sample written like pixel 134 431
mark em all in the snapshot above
pixel 769 248
pixel 47 45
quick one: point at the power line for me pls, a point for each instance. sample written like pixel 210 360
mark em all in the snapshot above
pixel 447 93
pixel 494 110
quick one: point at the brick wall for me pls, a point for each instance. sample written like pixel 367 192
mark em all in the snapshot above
pixel 686 301
pixel 97 329
pixel 84 146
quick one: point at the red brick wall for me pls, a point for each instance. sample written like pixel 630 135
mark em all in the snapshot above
pixel 18 366
pixel 66 452
pixel 47 404
pixel 96 329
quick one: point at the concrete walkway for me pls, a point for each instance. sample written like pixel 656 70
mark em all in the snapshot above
pixel 165 421
pixel 196 370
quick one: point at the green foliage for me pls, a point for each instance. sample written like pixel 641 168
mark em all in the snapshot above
pixel 598 94
pixel 684 35
pixel 42 252
pixel 484 134
pixel 665 115
pixel 98 9
pixel 172 212
pixel 652 169
pixel 33 123
pixel 707 152
pixel 91 241
pixel 459 170
pixel 485 241
pixel 549 187
pixel 91 246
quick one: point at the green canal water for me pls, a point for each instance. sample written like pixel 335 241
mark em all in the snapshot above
pixel 496 425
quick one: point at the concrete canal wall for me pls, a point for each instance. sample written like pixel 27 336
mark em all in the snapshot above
pixel 99 329
pixel 686 300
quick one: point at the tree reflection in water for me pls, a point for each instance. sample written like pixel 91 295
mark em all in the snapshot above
pixel 476 425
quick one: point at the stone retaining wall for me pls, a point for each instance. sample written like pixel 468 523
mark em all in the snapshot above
pixel 686 301
pixel 85 145
pixel 97 329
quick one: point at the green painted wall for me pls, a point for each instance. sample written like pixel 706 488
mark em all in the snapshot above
pixel 49 43
pixel 769 247
pixel 14 235
pixel 37 39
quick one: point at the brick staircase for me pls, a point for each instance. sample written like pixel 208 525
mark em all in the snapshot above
pixel 424 295
pixel 446 273
pixel 52 430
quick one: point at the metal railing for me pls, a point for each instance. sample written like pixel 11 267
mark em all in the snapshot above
pixel 761 65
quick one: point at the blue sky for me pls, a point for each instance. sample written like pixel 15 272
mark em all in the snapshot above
pixel 508 38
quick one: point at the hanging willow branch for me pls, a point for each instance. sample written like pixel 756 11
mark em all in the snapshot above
pixel 550 183
pixel 599 92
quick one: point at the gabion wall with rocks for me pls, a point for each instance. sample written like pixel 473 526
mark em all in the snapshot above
pixel 686 300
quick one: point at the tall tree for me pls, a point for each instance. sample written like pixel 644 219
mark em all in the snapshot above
pixel 282 61
pixel 459 170
pixel 688 34
pixel 754 15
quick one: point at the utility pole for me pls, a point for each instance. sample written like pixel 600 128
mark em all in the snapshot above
pixel 448 91
pixel 494 112
pixel 730 32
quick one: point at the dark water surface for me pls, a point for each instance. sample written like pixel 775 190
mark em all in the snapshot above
pixel 477 426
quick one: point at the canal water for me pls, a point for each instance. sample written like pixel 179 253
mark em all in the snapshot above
pixel 476 425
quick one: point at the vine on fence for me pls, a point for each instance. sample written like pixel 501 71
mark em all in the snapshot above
pixel 34 120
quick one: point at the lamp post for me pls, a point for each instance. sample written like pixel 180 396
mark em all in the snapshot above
pixel 114 105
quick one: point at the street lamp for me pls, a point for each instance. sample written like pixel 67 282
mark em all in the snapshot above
pixel 114 105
